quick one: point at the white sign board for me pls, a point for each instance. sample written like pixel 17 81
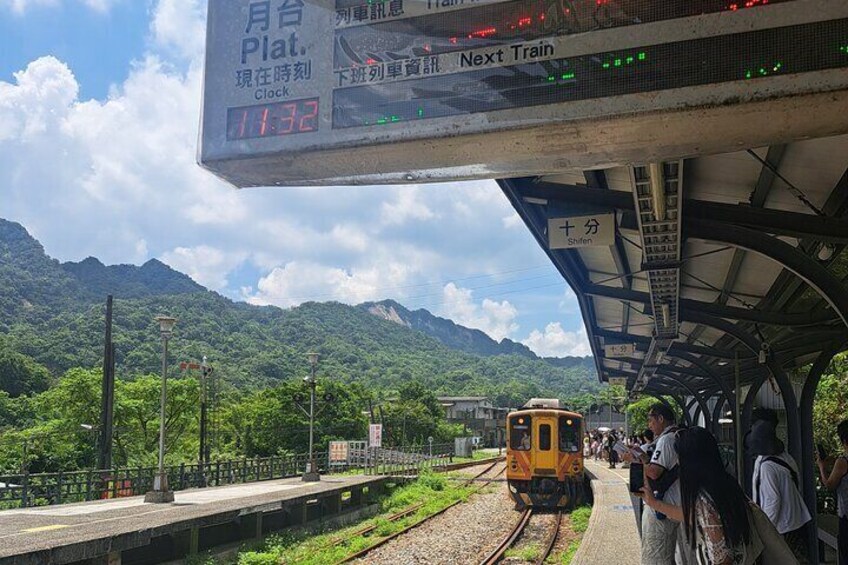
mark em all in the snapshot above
pixel 338 452
pixel 375 435
pixel 581 231
pixel 619 350
pixel 618 381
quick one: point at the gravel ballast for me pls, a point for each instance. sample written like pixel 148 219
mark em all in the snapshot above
pixel 461 536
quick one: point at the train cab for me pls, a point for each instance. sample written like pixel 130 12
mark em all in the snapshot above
pixel 545 455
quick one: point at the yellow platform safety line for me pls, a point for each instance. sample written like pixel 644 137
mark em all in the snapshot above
pixel 46 528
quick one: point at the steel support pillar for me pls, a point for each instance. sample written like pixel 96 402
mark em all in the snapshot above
pixel 787 392
pixel 808 466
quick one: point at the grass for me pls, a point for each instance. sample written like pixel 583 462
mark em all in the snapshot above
pixel 529 552
pixel 310 549
pixel 580 518
pixel 569 552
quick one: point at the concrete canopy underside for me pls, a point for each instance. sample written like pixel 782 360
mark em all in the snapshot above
pixel 762 260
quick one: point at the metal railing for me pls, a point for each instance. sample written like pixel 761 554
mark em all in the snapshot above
pixel 42 489
pixel 404 460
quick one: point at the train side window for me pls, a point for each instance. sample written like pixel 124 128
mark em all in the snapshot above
pixel 545 437
pixel 569 434
pixel 519 432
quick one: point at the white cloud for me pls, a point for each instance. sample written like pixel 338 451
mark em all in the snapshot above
pixel 20 6
pixel 568 304
pixel 39 101
pixel 497 319
pixel 407 206
pixel 180 26
pixel 66 164
pixel 556 342
pixel 299 281
pixel 207 265
pixel 512 221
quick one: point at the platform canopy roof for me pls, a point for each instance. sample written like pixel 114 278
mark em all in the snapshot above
pixel 737 255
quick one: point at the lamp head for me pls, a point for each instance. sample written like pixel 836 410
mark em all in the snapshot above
pixel 166 325
pixel 313 358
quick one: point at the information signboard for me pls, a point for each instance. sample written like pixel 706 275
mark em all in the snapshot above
pixel 375 435
pixel 330 91
pixel 581 231
pixel 618 381
pixel 338 453
pixel 619 350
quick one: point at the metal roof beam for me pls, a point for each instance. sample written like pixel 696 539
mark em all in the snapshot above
pixel 598 179
pixel 735 313
pixel 619 337
pixel 778 222
pixel 804 266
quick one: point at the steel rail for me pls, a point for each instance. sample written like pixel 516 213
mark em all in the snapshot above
pixel 549 546
pixel 498 553
pixel 362 553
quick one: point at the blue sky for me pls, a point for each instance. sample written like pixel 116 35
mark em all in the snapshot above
pixel 99 104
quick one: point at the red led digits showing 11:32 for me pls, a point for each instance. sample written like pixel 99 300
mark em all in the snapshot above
pixel 270 120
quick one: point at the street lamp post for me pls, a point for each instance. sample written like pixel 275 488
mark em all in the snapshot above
pixel 311 473
pixel 161 492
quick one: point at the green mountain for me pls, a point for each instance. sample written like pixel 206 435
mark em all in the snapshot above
pixel 54 313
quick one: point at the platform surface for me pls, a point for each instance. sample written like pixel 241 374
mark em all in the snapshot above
pixel 612 536
pixel 124 523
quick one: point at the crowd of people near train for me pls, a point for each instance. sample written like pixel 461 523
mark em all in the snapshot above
pixel 600 444
pixel 691 509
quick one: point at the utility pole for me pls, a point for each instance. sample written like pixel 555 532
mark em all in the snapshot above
pixel 311 474
pixel 107 393
pixel 161 493
pixel 204 448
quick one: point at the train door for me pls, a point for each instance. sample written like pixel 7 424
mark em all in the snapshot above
pixel 546 455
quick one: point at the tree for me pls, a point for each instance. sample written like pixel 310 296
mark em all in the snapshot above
pixel 20 374
pixel 831 403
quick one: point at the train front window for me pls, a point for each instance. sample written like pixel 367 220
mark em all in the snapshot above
pixel 545 437
pixel 519 433
pixel 569 434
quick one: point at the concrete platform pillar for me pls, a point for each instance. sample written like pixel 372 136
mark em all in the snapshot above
pixel 185 542
pixel 356 497
pixel 194 541
pixel 333 504
pixel 112 558
pixel 251 526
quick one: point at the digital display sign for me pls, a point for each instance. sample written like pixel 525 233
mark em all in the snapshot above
pixel 746 56
pixel 268 120
pixel 507 22
pixel 384 91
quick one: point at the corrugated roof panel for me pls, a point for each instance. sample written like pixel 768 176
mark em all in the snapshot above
pixel 728 178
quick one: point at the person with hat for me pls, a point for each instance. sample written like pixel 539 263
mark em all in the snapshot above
pixel 776 486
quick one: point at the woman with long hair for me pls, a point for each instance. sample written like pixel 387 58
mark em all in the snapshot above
pixel 714 511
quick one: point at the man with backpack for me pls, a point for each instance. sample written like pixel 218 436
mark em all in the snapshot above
pixel 776 487
pixel 660 535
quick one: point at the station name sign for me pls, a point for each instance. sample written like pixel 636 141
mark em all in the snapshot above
pixel 289 82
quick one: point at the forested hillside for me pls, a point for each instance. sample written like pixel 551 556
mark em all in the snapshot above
pixel 53 314
pixel 51 347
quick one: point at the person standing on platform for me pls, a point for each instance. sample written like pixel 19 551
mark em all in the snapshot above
pixel 712 507
pixel 775 485
pixel 838 481
pixel 660 535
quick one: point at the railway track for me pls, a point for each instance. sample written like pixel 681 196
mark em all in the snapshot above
pixel 484 484
pixel 498 553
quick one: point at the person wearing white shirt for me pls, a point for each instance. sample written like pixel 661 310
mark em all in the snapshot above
pixel 776 484
pixel 660 535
